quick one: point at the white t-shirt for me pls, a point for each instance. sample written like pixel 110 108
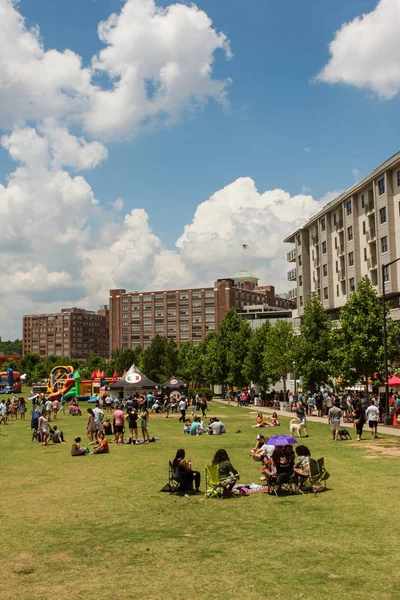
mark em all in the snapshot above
pixel 182 405
pixel 216 427
pixel 98 414
pixel 372 413
pixel 268 449
pixel 49 405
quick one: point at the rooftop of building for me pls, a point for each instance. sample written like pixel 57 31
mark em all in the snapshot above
pixel 357 187
pixel 243 274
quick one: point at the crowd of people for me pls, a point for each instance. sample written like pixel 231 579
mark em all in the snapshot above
pixel 12 409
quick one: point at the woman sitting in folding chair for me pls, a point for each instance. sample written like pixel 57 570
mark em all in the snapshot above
pixel 186 474
pixel 227 473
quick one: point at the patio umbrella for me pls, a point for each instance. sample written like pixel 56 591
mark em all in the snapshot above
pixel 281 440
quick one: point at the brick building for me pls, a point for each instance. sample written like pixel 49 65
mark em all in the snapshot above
pixel 73 333
pixel 184 315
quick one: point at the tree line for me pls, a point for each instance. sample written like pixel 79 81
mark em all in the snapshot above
pixel 321 352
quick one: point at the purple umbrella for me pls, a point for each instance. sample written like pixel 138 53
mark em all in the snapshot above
pixel 281 440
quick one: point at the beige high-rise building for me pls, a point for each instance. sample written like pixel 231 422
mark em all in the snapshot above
pixel 352 237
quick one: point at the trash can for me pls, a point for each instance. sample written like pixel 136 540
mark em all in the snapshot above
pixel 283 405
pixel 257 401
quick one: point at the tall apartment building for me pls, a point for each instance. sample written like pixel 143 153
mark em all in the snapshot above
pixel 184 315
pixel 351 237
pixel 73 333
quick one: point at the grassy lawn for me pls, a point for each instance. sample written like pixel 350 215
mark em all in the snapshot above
pixel 98 525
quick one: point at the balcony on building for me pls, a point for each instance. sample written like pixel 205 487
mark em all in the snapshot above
pixel 291 256
pixel 316 259
pixel 317 283
pixel 339 226
pixel 369 207
pixel 372 263
pixel 340 250
pixel 292 275
pixel 371 236
pixel 314 239
pixel 342 275
pixel 292 294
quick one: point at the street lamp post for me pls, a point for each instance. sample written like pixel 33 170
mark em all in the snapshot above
pixel 385 357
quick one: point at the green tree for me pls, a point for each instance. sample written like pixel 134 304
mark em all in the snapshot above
pixel 313 351
pixel 214 367
pixel 279 352
pixel 190 362
pixel 153 358
pixel 235 334
pixel 169 361
pixel 253 367
pixel 11 347
pixel 121 360
pixel 359 351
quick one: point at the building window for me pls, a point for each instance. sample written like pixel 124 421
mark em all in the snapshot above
pixel 125 300
pixel 325 270
pixel 351 259
pixel 337 267
pixel 196 303
pixel 135 299
pixel 209 294
pixel 147 314
pixel 337 290
pixel 348 207
pixel 335 243
pixel 398 178
pixel 350 233
pixel 299 260
pixel 384 244
pixel 324 247
pixel 352 284
pixel 364 227
pixel 382 214
pixel 300 280
pixel 210 318
pixel 334 218
pixel 323 223
pixel 326 293
pixel 385 273
pixel 208 311
pixel 301 300
pixel 362 200
pixel 365 254
pixel 381 186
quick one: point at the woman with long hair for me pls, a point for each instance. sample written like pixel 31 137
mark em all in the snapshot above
pixel 144 424
pixel 358 419
pixel 187 475
pixel 227 472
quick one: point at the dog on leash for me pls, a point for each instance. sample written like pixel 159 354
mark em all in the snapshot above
pixel 296 428
pixel 344 434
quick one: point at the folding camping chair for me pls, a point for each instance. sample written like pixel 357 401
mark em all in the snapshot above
pixel 284 480
pixel 316 481
pixel 174 479
pixel 215 488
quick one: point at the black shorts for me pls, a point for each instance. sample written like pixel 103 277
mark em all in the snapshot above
pixel 373 424
pixel 119 429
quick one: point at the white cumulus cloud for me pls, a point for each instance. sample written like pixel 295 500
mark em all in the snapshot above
pixel 366 51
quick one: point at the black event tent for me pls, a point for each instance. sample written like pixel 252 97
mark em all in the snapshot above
pixel 134 380
pixel 174 383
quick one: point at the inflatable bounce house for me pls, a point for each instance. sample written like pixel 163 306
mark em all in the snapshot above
pixel 67 382
pixel 10 382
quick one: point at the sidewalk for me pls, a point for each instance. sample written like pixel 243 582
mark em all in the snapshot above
pixel 383 429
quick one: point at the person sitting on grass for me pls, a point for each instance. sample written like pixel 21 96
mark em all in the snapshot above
pixel 255 452
pixel 186 427
pixel 57 436
pixel 186 474
pixel 260 421
pixel 215 427
pixel 227 472
pixel 274 420
pixel 76 449
pixel 195 428
pixel 102 446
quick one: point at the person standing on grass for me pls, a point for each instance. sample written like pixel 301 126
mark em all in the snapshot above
pixel 301 416
pixel 43 425
pixel 90 426
pixel 144 423
pixel 48 407
pixel 358 419
pixel 98 419
pixel 372 416
pixel 203 406
pixel 193 406
pixel 132 418
pixel 54 406
pixel 22 408
pixel 3 413
pixel 182 408
pixel 334 418
pixel 119 425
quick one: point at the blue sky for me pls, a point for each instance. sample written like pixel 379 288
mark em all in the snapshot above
pixel 279 128
pixel 275 110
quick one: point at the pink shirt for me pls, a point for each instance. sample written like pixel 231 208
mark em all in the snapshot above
pixel 119 417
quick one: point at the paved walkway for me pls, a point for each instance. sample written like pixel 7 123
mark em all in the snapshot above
pixel 267 409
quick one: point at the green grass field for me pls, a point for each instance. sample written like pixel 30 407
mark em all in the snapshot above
pixel 98 526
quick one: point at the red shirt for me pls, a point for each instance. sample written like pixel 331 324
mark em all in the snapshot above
pixel 119 417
